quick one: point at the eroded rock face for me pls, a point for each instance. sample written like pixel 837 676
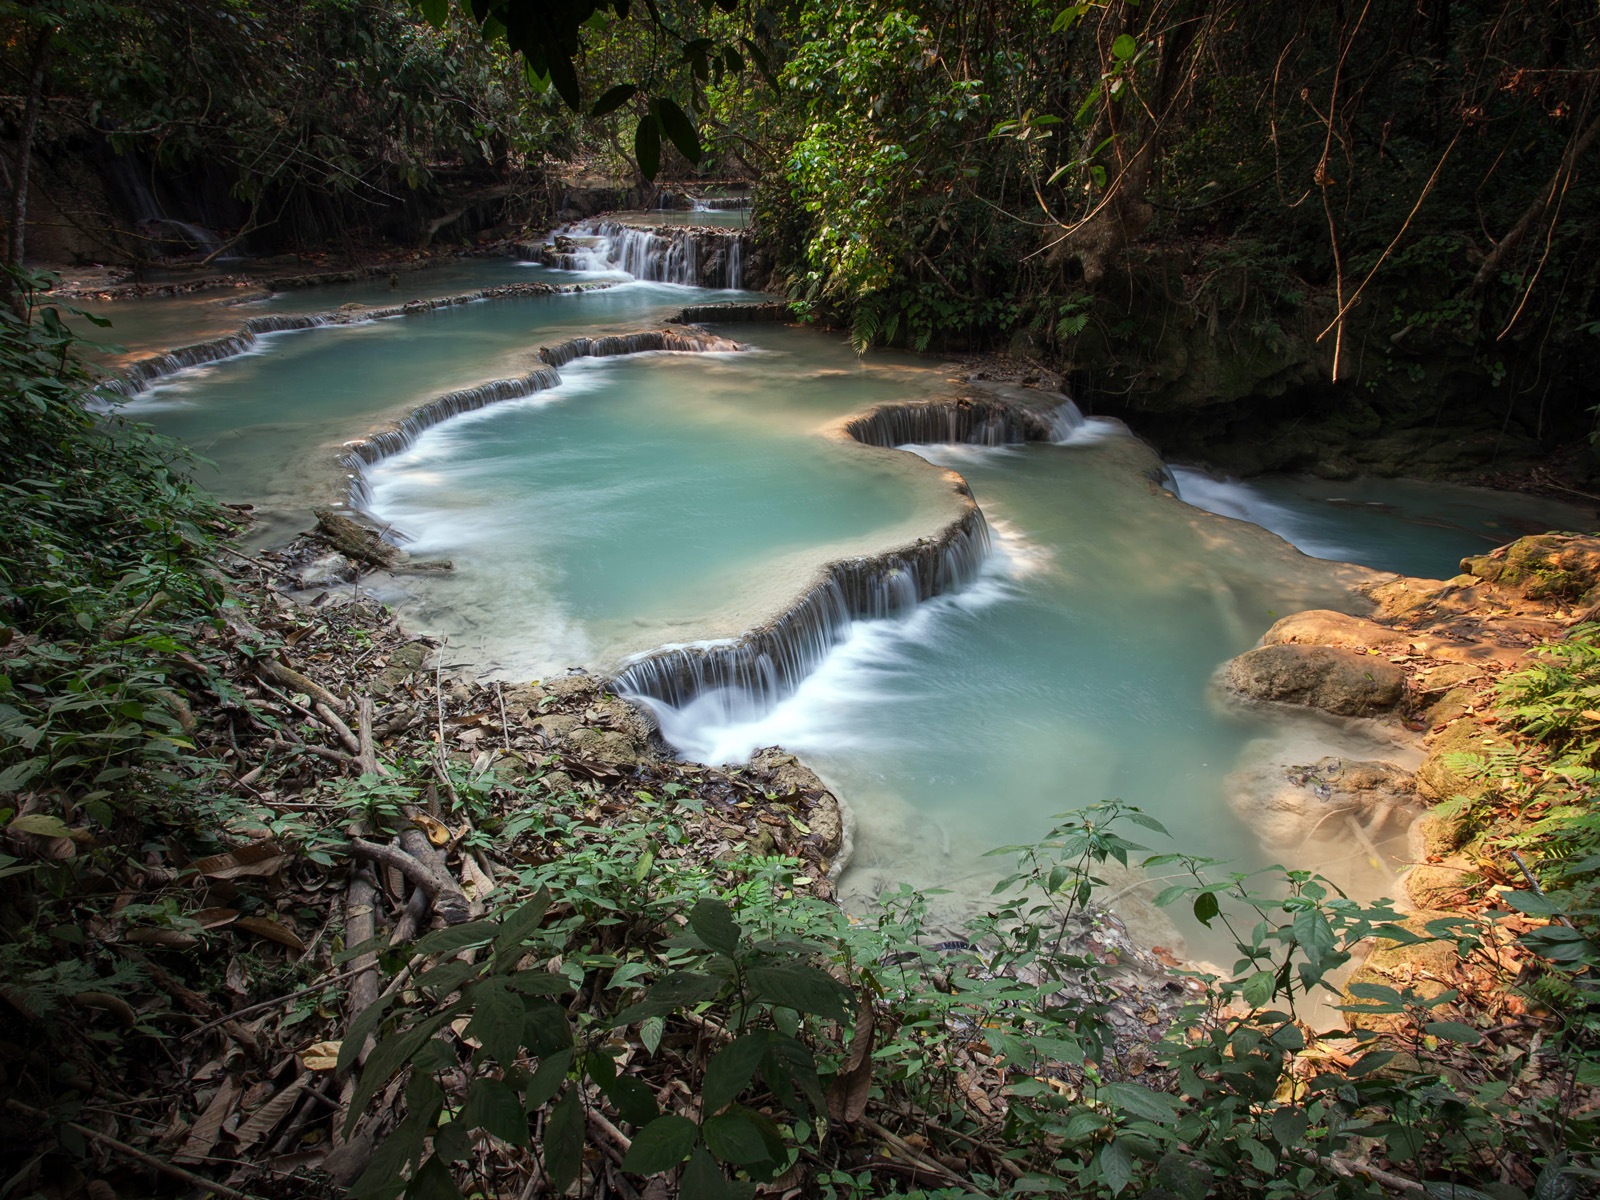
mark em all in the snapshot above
pixel 1334 679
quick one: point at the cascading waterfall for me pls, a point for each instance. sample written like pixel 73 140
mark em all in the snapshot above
pixel 690 256
pixel 718 203
pixel 390 441
pixel 701 314
pixel 765 665
pixel 140 375
pixel 143 374
pixel 562 353
pixel 969 421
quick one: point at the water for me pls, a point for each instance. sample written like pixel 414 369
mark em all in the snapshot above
pixel 1388 524
pixel 719 218
pixel 271 423
pixel 682 499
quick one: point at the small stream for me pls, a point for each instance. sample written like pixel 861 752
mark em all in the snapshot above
pixel 682 498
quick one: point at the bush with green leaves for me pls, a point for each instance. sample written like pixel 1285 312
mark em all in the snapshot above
pixel 739 1032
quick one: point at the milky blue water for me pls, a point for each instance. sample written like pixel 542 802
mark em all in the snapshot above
pixel 676 498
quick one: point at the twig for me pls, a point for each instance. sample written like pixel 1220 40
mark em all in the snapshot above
pixel 288 677
pixel 1534 884
pixel 912 1155
pixel 333 722
pixel 149 1160
pixel 252 1009
pixel 505 725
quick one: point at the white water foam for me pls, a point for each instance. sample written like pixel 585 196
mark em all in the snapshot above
pixel 863 671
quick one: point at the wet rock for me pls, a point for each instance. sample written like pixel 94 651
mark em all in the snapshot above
pixel 1335 680
pixel 1440 885
pixel 1287 804
pixel 785 775
pixel 554 726
pixel 609 746
pixel 1322 627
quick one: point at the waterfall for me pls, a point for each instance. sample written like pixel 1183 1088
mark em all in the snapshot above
pixel 380 445
pixel 701 314
pixel 766 664
pixel 1066 423
pixel 718 203
pixel 403 433
pixel 668 254
pixel 966 420
pixel 144 373
pixel 140 375
pixel 562 353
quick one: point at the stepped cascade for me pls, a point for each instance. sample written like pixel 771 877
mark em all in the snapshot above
pixel 689 255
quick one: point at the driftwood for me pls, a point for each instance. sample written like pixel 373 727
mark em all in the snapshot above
pixel 355 542
pixel 285 676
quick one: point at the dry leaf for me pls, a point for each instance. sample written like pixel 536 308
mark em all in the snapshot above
pixel 214 918
pixel 438 833
pixel 266 1118
pixel 258 861
pixel 271 930
pixel 205 1131
pixel 322 1056
pixel 169 939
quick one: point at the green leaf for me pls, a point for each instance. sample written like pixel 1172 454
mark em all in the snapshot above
pixel 647 145
pixel 1205 908
pixel 703 1179
pixel 547 1079
pixel 497 1020
pixel 679 129
pixel 434 12
pixel 614 99
pixel 456 938
pixel 635 1099
pixel 514 930
pixel 42 825
pixel 734 1138
pixel 1140 1101
pixel 661 1145
pixel 1289 1126
pixel 1115 1166
pixel 1125 47
pixel 1454 1031
pixel 804 988
pixel 563 1142
pixel 433 1182
pixel 731 1070
pixel 713 923
pixel 492 1105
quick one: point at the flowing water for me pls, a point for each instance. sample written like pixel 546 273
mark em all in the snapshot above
pixel 682 499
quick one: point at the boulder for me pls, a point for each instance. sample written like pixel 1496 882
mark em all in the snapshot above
pixel 1287 804
pixel 1322 627
pixel 1426 968
pixel 1557 567
pixel 1336 680
pixel 1441 776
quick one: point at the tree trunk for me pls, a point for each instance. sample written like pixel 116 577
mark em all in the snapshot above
pixel 18 215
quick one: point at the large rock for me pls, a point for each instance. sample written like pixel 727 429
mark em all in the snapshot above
pixel 1339 681
pixel 1287 804
pixel 1322 627
pixel 1563 568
